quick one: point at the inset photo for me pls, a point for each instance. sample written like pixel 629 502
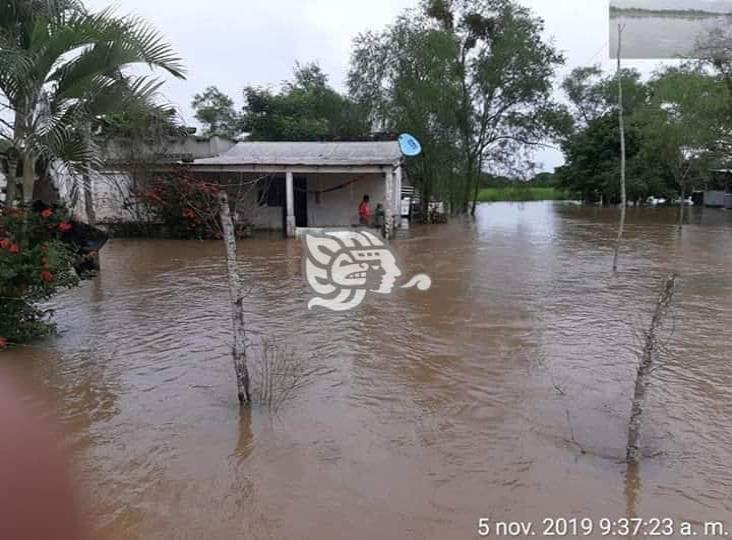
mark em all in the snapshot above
pixel 660 29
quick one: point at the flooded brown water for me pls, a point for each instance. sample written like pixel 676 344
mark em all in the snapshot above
pixel 656 37
pixel 440 408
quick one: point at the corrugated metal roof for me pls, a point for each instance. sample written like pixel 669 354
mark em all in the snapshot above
pixel 308 153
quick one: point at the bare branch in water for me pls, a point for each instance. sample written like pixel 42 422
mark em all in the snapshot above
pixel 279 372
pixel 646 367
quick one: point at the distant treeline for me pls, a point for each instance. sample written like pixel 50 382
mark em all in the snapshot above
pixel 640 12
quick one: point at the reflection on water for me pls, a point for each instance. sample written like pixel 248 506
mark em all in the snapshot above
pixel 441 407
pixel 660 37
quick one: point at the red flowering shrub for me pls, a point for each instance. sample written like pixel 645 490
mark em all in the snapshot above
pixel 34 264
pixel 186 205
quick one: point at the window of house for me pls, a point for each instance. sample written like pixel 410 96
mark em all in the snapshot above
pixel 271 191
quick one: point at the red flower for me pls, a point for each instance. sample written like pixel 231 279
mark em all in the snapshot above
pixel 47 213
pixel 14 248
pixel 65 227
pixel 5 243
pixel 46 276
pixel 3 342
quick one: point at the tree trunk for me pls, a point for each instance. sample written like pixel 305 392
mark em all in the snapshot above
pixel 682 206
pixel 474 204
pixel 466 195
pixel 646 368
pixel 237 301
pixel 29 177
pixel 476 187
pixel 11 182
pixel 28 181
pixel 89 207
pixel 621 120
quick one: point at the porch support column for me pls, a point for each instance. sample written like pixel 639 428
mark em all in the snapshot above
pixel 398 178
pixel 389 203
pixel 290 193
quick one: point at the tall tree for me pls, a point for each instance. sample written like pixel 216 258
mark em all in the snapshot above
pixel 215 110
pixel 60 69
pixel 592 93
pixel 305 109
pixel 685 121
pixel 497 70
pixel 423 88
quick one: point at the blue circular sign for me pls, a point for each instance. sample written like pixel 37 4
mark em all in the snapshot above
pixel 410 146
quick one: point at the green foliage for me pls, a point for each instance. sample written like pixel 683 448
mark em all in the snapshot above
pixel 215 110
pixel 305 109
pixel 61 68
pixel 675 131
pixel 424 88
pixel 685 120
pixel 593 163
pixel 521 193
pixel 34 264
pixel 188 206
pixel 543 179
pixel 592 93
pixel 471 79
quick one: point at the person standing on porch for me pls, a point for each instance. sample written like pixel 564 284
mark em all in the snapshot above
pixel 364 211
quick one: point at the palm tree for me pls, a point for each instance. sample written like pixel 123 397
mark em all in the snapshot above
pixel 61 68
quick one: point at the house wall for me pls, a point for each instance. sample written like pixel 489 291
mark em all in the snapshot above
pixel 111 190
pixel 175 149
pixel 340 208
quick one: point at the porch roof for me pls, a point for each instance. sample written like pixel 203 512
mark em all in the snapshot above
pixel 307 154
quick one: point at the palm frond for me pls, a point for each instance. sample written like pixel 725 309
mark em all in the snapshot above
pixel 146 43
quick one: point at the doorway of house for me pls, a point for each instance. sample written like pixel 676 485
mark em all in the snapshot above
pixel 301 201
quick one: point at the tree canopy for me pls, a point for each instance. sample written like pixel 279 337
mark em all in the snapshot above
pixel 471 78
pixel 216 113
pixel 676 132
pixel 305 109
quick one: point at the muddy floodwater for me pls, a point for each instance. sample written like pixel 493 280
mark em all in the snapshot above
pixel 654 37
pixel 503 392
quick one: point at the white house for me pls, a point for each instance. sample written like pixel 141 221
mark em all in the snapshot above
pixel 311 184
pixel 289 185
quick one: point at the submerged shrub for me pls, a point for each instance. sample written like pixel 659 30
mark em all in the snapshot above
pixel 35 263
pixel 188 206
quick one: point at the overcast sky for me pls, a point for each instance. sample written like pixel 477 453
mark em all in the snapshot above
pixel 234 43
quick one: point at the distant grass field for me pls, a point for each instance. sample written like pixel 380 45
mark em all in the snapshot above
pixel 520 194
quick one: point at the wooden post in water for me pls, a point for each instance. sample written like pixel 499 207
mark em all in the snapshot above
pixel 621 120
pixel 236 294
pixel 646 367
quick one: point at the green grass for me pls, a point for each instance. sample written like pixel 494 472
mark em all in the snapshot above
pixel 520 194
